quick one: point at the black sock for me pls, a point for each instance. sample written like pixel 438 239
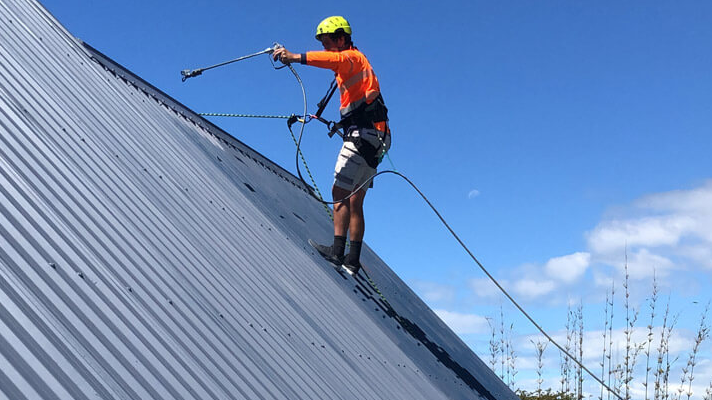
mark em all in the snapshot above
pixel 354 253
pixel 339 245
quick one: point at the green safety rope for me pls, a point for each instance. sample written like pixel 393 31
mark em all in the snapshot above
pixel 306 167
pixel 245 115
pixel 304 161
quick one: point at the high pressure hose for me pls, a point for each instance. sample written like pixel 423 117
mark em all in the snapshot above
pixel 432 207
pixel 304 120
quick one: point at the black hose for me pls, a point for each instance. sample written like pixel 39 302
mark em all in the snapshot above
pixel 299 141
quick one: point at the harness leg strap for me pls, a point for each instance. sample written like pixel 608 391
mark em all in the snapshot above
pixel 366 150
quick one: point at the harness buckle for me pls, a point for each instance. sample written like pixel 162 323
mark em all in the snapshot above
pixel 333 128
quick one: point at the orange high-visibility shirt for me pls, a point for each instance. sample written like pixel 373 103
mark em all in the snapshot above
pixel 354 75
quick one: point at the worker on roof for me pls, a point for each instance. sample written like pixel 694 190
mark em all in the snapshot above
pixel 366 134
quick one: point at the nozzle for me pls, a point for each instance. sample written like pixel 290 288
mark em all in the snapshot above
pixel 186 73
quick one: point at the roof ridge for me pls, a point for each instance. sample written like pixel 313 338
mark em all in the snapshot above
pixel 187 113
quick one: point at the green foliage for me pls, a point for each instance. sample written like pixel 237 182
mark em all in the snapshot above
pixel 544 395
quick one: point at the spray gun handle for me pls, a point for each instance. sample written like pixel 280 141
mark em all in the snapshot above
pixel 274 47
pixel 271 50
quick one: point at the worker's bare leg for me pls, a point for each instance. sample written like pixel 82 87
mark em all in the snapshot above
pixel 348 216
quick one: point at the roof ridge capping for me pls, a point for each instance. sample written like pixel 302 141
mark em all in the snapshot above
pixel 188 114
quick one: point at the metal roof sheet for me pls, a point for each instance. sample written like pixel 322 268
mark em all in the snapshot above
pixel 146 254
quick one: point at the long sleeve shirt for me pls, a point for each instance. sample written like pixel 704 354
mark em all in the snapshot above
pixel 356 80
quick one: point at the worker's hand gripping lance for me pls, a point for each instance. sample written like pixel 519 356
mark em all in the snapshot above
pixel 188 73
pixel 331 125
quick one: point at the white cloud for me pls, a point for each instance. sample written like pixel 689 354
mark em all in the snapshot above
pixel 527 362
pixel 681 201
pixel 643 264
pixel 568 268
pixel 463 324
pixel 666 219
pixel 612 236
pixel 701 255
pixel 534 281
pixel 694 204
pixel 603 281
pixel 473 193
pixel 435 292
pixel 531 288
pixel 483 287
pixel 662 232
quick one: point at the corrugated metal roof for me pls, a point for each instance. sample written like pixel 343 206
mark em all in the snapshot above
pixel 146 254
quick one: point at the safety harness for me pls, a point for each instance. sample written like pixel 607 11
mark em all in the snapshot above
pixel 364 117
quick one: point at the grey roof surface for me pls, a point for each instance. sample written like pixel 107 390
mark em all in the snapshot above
pixel 146 254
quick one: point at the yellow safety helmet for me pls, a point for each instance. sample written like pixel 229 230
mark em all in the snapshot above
pixel 333 24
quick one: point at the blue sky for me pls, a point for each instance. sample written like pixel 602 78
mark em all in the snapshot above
pixel 555 137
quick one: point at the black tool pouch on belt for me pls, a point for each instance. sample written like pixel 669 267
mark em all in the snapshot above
pixel 365 150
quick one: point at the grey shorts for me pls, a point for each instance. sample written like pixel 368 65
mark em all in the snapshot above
pixel 351 169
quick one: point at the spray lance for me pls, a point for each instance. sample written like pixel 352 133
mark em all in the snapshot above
pixel 188 73
pixel 334 128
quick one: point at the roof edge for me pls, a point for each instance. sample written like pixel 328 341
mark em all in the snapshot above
pixel 181 109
